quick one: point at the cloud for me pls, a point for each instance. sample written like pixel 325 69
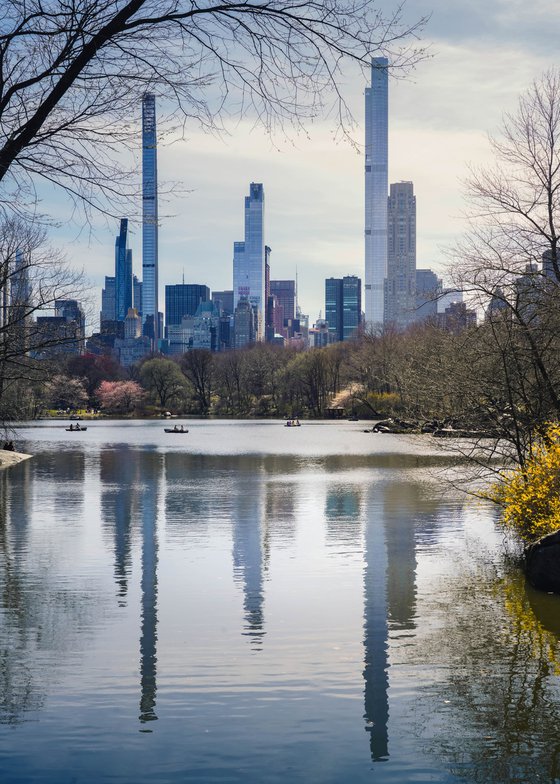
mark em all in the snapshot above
pixel 485 55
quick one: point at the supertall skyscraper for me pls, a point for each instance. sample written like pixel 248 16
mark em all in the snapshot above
pixel 249 257
pixel 123 273
pixel 376 188
pixel 400 285
pixel 149 219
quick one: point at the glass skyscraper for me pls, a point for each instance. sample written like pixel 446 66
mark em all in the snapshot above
pixel 343 306
pixel 183 299
pixel 351 306
pixel 123 273
pixel 376 187
pixel 249 257
pixel 149 219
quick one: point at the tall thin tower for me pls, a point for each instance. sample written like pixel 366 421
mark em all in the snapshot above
pixel 149 219
pixel 377 184
pixel 249 257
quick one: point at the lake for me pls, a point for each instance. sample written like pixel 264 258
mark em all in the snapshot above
pixel 253 603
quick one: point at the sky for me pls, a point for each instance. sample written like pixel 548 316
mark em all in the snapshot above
pixel 483 55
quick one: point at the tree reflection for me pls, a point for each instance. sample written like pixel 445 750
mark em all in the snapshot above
pixel 500 709
pixel 18 692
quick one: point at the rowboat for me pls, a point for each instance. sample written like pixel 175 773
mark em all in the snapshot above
pixel 75 429
pixel 172 430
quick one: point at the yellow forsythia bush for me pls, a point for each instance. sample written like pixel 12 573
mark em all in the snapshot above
pixel 531 495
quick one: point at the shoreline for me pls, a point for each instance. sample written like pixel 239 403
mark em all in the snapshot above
pixel 8 459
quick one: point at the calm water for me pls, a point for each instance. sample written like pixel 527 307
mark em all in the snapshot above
pixel 249 603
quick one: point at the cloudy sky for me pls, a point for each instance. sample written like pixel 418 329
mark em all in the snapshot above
pixel 484 54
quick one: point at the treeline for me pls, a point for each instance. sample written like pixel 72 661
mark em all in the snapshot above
pixel 423 374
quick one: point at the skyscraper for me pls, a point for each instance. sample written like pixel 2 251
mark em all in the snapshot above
pixel 428 289
pixel 149 219
pixel 351 306
pixel 400 284
pixel 123 273
pixel 343 306
pixel 333 308
pixel 183 299
pixel 108 309
pixel 249 258
pixel 376 187
pixel 285 291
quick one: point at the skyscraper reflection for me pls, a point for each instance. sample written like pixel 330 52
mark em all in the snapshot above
pixel 389 594
pixel 119 507
pixel 343 514
pixel 150 471
pixel 249 562
pixel 376 702
pixel 280 518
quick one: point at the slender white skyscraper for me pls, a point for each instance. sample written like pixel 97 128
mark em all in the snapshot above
pixel 149 219
pixel 249 257
pixel 377 185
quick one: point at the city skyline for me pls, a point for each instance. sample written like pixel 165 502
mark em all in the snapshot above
pixel 440 116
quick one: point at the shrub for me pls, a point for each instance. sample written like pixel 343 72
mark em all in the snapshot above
pixel 531 495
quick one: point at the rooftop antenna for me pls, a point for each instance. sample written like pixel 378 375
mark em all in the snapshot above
pixel 297 305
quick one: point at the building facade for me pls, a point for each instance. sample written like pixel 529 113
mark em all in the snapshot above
pixel 150 310
pixel 428 290
pixel 224 301
pixel 333 308
pixel 285 293
pixel 182 300
pixel 343 307
pixel 249 274
pixel 376 188
pixel 123 273
pixel 62 333
pixel 108 300
pixel 245 324
pixel 351 306
pixel 400 284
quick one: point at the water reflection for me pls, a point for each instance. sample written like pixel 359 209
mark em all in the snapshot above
pixel 119 506
pixel 402 502
pixel 249 552
pixel 343 513
pixel 18 691
pixel 280 512
pixel 498 708
pixel 389 595
pixel 376 702
pixel 150 472
pixel 130 491
pixel 456 679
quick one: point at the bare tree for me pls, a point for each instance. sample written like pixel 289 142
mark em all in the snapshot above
pixel 509 265
pixel 71 74
pixel 33 278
